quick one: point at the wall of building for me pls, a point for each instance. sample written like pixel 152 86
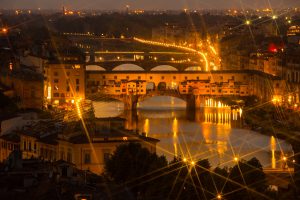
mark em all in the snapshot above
pixel 65 83
pixel 28 91
pixel 6 147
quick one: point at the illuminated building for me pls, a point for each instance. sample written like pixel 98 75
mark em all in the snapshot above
pixel 293 35
pixel 54 144
pixel 65 83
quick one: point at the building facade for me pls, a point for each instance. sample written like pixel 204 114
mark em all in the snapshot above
pixel 64 83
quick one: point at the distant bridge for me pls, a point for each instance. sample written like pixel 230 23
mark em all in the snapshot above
pixel 146 65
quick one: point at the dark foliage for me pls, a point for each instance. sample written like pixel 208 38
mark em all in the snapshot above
pixel 148 176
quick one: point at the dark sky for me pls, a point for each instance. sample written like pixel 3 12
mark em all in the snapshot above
pixel 147 4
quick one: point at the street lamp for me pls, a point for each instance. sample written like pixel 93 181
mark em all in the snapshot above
pixel 284 158
pixel 4 30
pixel 219 196
pixel 248 22
pixel 236 159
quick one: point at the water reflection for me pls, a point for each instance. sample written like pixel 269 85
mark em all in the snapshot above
pixel 211 132
pixel 146 127
pixel 273 149
pixel 175 139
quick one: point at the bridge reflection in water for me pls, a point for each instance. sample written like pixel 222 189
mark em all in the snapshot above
pixel 211 132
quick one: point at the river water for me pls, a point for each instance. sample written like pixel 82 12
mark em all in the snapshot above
pixel 215 133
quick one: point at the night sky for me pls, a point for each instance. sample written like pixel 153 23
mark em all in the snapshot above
pixel 147 4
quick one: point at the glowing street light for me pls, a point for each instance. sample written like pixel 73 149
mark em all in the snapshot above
pixel 274 17
pixel 4 30
pixel 184 160
pixel 248 22
pixel 219 196
pixel 236 159
pixel 284 158
pixel 193 163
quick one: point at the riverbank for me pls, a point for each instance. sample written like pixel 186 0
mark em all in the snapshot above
pixel 269 119
pixel 272 120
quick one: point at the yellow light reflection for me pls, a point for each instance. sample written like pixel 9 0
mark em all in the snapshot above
pixel 146 127
pixel 273 149
pixel 175 139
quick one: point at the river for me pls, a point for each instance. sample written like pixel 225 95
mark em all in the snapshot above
pixel 214 132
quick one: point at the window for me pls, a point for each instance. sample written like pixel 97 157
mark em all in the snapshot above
pixel 197 77
pixel 68 73
pixel 29 146
pixel 150 77
pixel 55 80
pixel 69 157
pixel 62 155
pixel 87 158
pixel 127 77
pixel 162 77
pixel 139 77
pixel 174 77
pixel 56 94
pixel 68 89
pixel 185 78
pixel 77 88
pixel 115 77
pixel 77 81
pixel 24 145
pixel 103 77
pixel 55 73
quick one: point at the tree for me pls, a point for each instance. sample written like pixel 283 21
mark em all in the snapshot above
pixel 135 168
pixel 247 181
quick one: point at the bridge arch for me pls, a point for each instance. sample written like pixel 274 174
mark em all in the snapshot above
pixel 150 86
pixel 161 101
pixel 194 68
pixel 94 68
pixel 164 68
pixel 128 67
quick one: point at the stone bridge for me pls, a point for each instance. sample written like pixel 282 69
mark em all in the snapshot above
pixel 145 65
pixel 131 101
